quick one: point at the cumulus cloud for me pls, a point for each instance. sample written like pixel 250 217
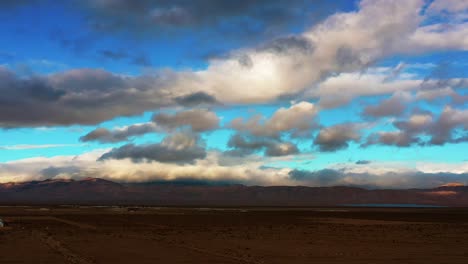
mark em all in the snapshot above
pixel 392 138
pixel 407 134
pixel 83 96
pixel 298 119
pixel 104 135
pixel 393 106
pixel 340 89
pixel 443 130
pixel 338 136
pixel 281 149
pixel 451 126
pixel 455 10
pixel 247 144
pixel 177 148
pixel 198 120
pixel 289 66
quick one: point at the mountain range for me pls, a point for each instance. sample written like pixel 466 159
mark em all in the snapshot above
pixel 96 191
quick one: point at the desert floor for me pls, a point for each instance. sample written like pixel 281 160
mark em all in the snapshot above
pixel 67 234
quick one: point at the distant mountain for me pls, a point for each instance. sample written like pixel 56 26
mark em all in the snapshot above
pixel 95 191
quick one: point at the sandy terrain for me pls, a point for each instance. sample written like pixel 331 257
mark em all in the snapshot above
pixel 248 235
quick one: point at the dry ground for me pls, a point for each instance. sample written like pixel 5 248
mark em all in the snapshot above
pixel 248 235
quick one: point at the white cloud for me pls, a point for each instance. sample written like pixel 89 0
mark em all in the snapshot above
pixel 211 169
pixel 344 43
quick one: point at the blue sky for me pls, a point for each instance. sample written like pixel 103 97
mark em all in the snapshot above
pixel 248 91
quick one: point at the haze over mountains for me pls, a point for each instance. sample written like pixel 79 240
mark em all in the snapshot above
pixel 95 191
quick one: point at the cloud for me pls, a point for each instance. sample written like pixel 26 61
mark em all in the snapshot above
pixel 363 162
pixel 292 66
pixel 395 72
pixel 62 172
pixel 451 126
pixel 281 149
pixel 247 144
pixel 393 138
pixel 339 90
pixel 298 119
pixel 455 9
pixel 196 99
pixel 383 175
pixel 83 96
pixel 104 135
pixel 393 106
pixel 251 170
pixel 198 120
pixel 299 63
pixel 337 137
pixel 156 17
pixel 442 130
pixel 178 148
pixel 395 179
pixel 212 168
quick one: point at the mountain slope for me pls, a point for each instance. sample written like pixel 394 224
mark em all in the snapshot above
pixel 99 191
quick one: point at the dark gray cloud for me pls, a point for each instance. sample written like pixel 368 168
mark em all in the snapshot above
pixel 242 144
pixel 81 96
pixel 197 120
pixel 196 99
pixel 337 137
pixel 104 135
pixel 181 148
pixel 164 15
pixel 396 179
pixel 363 162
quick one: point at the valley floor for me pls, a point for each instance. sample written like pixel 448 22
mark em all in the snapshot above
pixel 233 235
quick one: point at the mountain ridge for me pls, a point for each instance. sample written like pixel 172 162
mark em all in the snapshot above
pixel 105 192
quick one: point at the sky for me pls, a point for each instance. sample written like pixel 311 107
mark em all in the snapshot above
pixel 368 93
